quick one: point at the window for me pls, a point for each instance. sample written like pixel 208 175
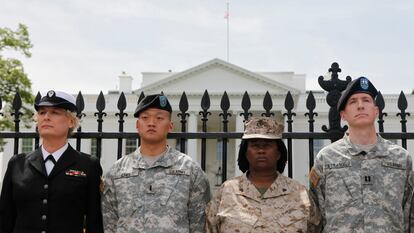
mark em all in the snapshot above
pixel 130 145
pixel 318 144
pixel 93 146
pixel 219 149
pixel 27 145
pixel 178 144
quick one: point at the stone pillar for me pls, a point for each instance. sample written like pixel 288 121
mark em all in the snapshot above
pixel 192 149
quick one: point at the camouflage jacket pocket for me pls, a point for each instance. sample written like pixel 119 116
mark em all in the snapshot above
pixel 236 218
pixel 127 194
pixel 342 189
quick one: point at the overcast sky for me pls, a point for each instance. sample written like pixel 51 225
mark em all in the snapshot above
pixel 85 45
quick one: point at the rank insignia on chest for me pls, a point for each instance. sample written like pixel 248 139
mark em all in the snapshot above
pixel 75 173
pixel 367 180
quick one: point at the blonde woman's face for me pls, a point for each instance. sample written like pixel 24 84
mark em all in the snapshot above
pixel 53 122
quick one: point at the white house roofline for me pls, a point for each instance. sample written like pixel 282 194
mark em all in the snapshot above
pixel 215 62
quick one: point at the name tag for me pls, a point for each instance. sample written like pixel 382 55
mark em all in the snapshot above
pixel 177 172
pixel 394 165
pixel 125 175
pixel 338 165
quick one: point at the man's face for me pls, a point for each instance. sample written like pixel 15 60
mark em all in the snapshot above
pixel 153 125
pixel 53 122
pixel 360 110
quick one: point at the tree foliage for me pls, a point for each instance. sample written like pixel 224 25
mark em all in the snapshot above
pixel 12 76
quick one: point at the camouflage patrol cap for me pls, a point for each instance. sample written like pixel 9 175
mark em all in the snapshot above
pixel 263 127
pixel 57 99
pixel 159 101
pixel 359 85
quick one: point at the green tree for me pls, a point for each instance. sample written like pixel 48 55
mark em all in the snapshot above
pixel 12 76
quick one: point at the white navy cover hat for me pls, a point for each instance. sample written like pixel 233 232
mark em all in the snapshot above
pixel 57 99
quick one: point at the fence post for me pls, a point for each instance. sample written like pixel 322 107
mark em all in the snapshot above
pixel 310 105
pixel 121 107
pixel 334 87
pixel 224 105
pixel 80 105
pixel 100 106
pixel 17 105
pixel 205 105
pixel 402 105
pixel 183 114
pixel 289 104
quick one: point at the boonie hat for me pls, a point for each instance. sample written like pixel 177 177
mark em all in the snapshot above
pixel 57 99
pixel 159 101
pixel 263 127
pixel 359 85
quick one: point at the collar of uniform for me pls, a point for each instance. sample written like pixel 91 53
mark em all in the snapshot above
pixel 164 161
pixel 279 187
pixel 380 146
pixel 57 154
pixel 354 151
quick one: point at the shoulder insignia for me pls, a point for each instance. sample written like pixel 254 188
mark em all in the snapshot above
pixel 314 177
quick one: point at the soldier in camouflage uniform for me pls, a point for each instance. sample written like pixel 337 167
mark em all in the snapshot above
pixel 156 188
pixel 362 183
pixel 262 200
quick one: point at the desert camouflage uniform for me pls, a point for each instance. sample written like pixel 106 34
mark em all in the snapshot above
pixel 168 197
pixel 239 207
pixel 363 193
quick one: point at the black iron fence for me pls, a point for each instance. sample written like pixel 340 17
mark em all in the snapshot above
pixel 333 131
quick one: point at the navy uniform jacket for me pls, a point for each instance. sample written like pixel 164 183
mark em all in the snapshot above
pixel 31 201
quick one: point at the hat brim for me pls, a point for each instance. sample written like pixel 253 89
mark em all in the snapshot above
pixel 260 136
pixel 64 105
pixel 342 102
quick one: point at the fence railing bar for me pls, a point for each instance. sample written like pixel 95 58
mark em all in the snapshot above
pixel 201 135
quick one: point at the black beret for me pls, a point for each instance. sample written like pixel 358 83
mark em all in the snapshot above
pixel 57 99
pixel 159 101
pixel 359 85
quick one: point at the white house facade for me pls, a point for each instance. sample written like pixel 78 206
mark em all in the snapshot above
pixel 216 76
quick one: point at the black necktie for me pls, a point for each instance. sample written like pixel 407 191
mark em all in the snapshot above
pixel 51 158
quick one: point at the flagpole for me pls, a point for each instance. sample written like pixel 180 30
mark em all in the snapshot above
pixel 228 34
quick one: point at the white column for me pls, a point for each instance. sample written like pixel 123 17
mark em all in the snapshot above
pixel 192 149
pixel 239 128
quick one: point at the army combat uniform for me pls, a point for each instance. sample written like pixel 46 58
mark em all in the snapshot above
pixel 359 191
pixel 239 207
pixel 168 197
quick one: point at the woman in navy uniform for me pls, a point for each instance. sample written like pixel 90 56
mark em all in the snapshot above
pixel 54 189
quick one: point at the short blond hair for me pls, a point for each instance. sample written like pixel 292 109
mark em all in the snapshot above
pixel 75 119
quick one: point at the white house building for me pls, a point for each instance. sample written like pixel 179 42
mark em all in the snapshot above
pixel 216 76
